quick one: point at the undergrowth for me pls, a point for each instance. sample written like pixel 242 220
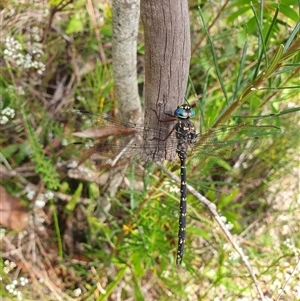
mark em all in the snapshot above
pixel 83 242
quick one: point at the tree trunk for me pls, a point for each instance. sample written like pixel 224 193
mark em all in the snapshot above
pixel 167 58
pixel 125 31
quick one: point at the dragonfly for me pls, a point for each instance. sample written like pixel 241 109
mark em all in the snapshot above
pixel 186 136
pixel 184 140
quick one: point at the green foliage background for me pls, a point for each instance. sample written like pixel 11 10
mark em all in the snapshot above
pixel 245 63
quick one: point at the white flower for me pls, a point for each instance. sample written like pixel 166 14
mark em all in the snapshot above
pixel 3 119
pixel 39 203
pixel 49 195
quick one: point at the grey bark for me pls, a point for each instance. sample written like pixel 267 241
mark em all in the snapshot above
pixel 167 58
pixel 125 30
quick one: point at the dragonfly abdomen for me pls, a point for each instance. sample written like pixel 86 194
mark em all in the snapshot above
pixel 186 136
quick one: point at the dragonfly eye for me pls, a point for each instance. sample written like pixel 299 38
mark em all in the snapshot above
pixel 184 111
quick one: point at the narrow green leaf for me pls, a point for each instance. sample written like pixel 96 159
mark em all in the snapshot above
pixel 75 197
pixel 241 68
pixel 137 290
pixel 274 64
pixel 57 229
pixel 214 55
pixel 289 12
pixel 271 28
pixel 292 36
pixel 261 42
pixel 110 288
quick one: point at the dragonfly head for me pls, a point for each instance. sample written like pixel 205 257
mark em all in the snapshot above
pixel 184 111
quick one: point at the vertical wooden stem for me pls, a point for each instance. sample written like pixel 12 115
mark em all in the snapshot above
pixel 125 31
pixel 167 58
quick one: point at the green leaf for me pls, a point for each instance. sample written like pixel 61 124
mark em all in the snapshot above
pixel 112 285
pixel 289 12
pixel 75 25
pixel 225 200
pixel 75 197
pixel 9 150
